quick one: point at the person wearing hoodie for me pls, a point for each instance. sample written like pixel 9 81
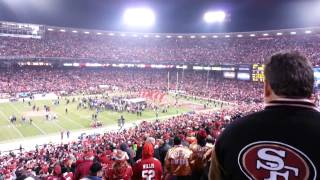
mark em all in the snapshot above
pixel 148 167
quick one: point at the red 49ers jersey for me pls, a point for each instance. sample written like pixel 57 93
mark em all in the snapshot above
pixel 147 169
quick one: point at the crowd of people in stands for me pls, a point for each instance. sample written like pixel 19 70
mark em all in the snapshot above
pixel 42 80
pixel 179 146
pixel 244 50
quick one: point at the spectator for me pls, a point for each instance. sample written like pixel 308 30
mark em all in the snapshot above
pixel 148 167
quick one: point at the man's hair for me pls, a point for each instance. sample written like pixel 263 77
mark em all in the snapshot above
pixel 176 140
pixel 95 168
pixel 290 75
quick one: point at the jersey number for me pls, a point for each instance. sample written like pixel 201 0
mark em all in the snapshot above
pixel 148 174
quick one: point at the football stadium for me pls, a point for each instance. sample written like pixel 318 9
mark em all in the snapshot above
pixel 165 90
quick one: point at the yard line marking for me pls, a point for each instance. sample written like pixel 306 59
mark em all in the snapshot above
pixel 38 128
pixel 10 124
pixel 68 119
pixel 43 132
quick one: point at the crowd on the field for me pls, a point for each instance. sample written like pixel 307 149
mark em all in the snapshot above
pixel 42 80
pixel 179 146
pixel 160 50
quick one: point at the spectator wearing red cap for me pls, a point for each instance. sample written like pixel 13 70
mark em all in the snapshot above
pixel 200 156
pixel 148 167
pixel 83 168
pixel 120 168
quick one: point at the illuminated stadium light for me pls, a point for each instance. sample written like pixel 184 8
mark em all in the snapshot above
pixel 214 16
pixel 279 34
pixel 49 29
pixel 180 37
pixel 168 36
pixel 265 34
pixel 157 36
pixel 123 35
pixel 134 35
pixel 74 31
pixel 239 35
pixel 192 37
pixel 252 35
pixel 146 35
pixel 62 30
pixel 203 36
pixel 99 33
pixel 139 17
pixel 227 36
pixel 87 32
pixel 215 36
pixel 111 34
pixel 293 33
pixel 308 32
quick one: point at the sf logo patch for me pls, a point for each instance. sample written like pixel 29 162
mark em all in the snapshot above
pixel 269 160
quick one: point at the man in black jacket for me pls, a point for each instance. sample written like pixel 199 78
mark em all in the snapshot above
pixel 280 142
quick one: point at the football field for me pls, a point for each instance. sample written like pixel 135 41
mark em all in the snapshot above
pixel 73 120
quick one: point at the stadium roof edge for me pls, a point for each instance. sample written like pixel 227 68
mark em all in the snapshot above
pixel 312 28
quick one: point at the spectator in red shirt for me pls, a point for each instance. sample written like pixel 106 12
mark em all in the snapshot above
pixel 120 168
pixel 148 167
pixel 83 168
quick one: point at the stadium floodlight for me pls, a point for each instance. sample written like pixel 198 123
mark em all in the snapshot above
pixel 168 36
pixel 157 36
pixel 111 34
pixel 203 36
pixel 134 35
pixel 139 17
pixel 215 36
pixel 87 32
pixel 74 31
pixel 214 16
pixel 62 30
pixel 180 37
pixel 227 36
pixel 265 34
pixel 308 32
pixel 146 35
pixel 49 29
pixel 192 36
pixel 99 33
pixel 279 34
pixel 239 35
pixel 252 35
pixel 293 33
pixel 122 34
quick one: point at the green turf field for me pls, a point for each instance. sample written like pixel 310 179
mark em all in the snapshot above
pixel 73 120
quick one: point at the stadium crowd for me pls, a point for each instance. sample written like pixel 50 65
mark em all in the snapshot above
pixel 244 50
pixel 128 154
pixel 42 80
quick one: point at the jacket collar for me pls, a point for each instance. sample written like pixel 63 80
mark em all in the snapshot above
pixel 302 103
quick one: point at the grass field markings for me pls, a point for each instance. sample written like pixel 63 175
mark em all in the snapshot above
pixel 42 132
pixel 14 127
pixel 68 119
pixel 17 110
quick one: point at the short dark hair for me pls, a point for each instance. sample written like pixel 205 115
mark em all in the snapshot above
pixel 176 140
pixel 290 75
pixel 95 168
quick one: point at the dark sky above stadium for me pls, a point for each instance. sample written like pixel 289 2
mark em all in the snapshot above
pixel 171 15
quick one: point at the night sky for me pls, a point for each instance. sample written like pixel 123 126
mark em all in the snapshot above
pixel 180 16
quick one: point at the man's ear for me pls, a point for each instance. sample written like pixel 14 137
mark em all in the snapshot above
pixel 267 89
